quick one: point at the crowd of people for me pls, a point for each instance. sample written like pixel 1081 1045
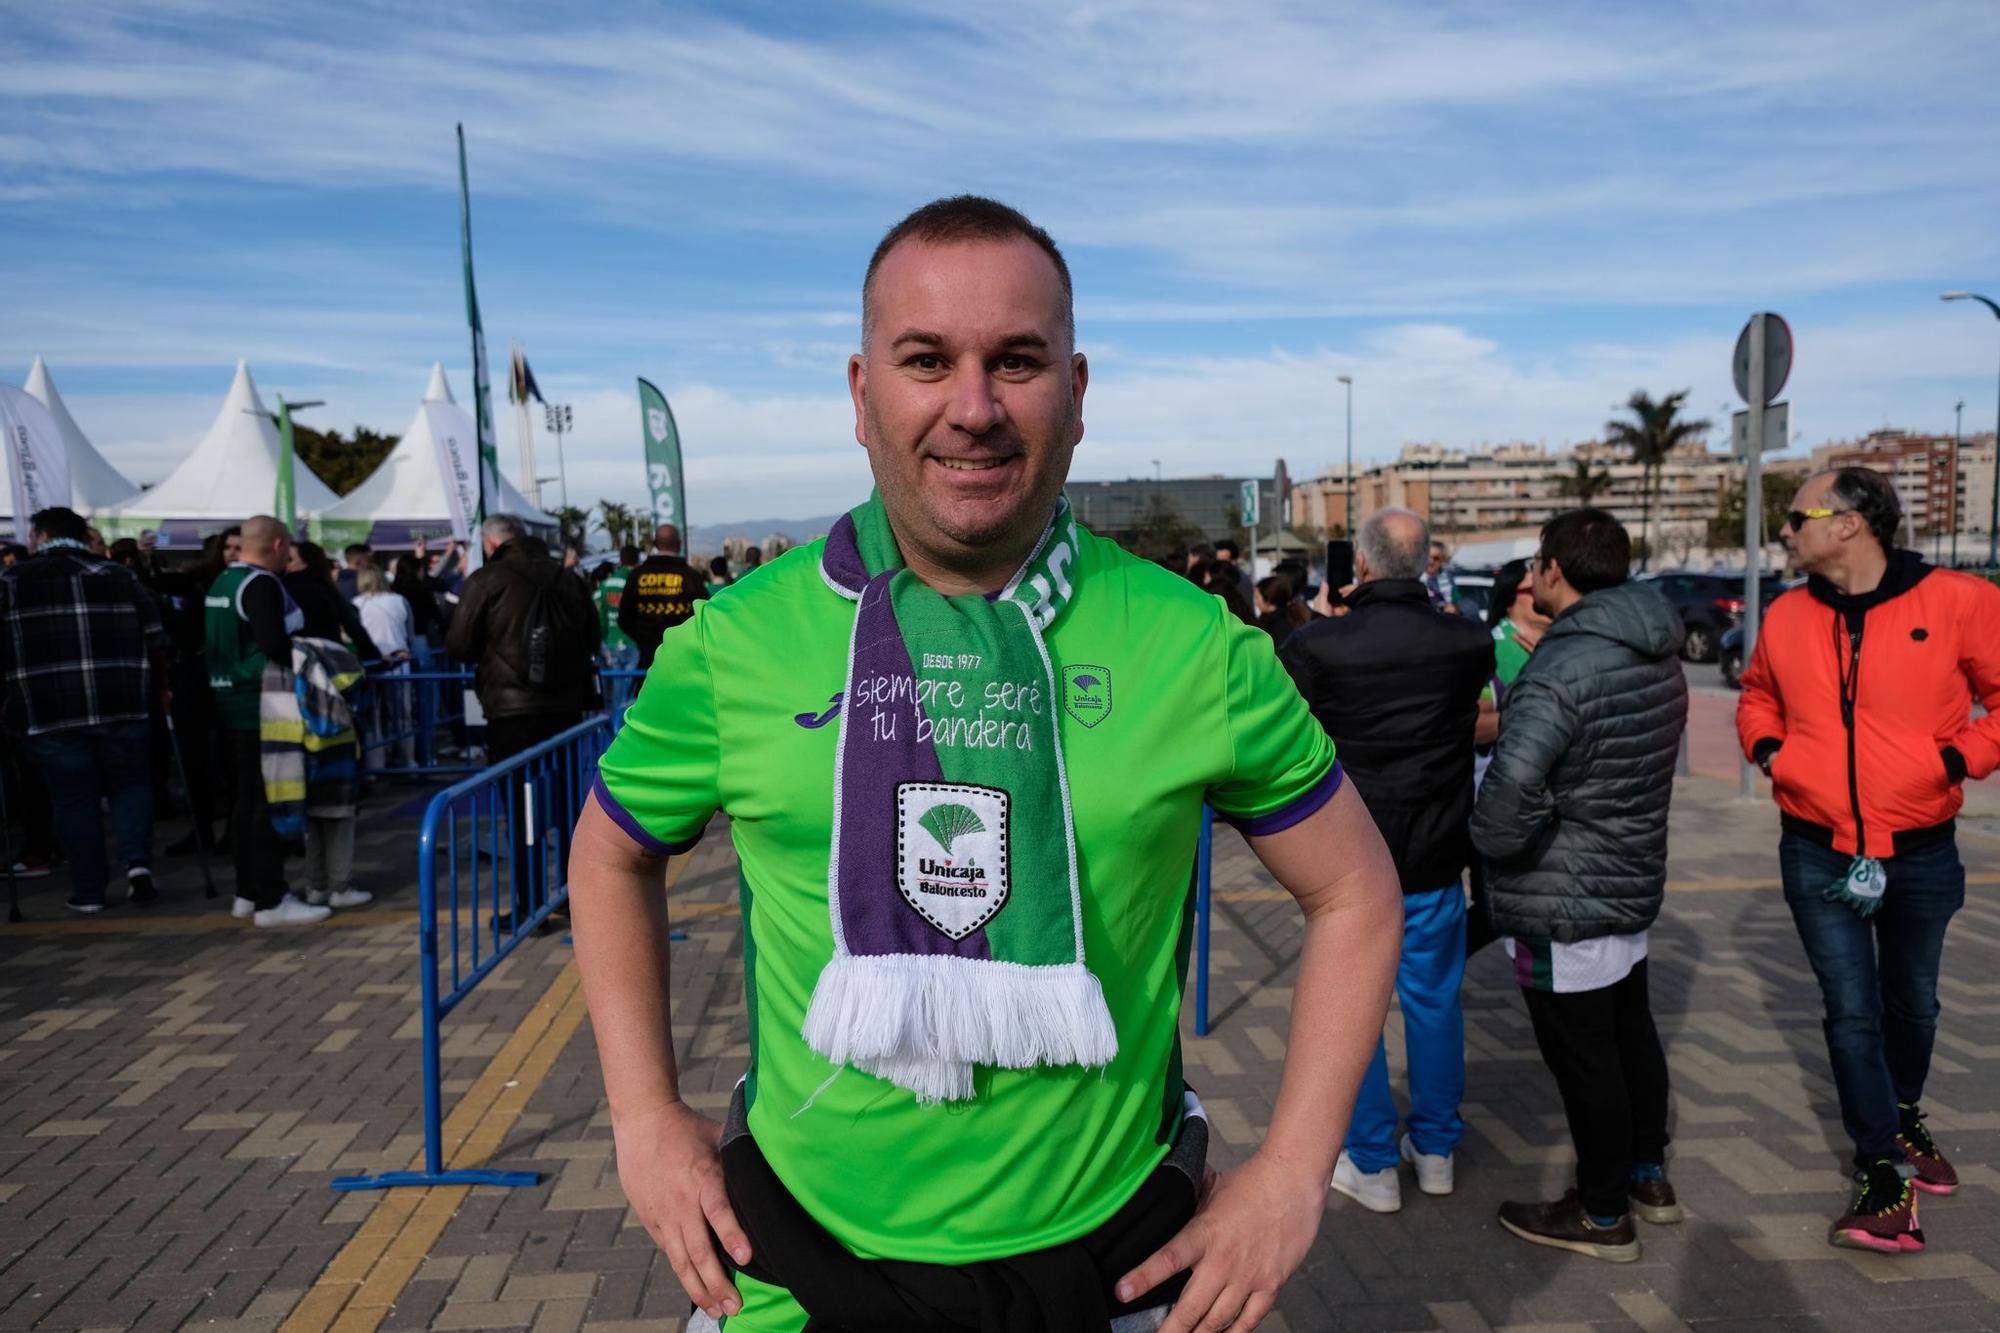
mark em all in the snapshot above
pixel 972 891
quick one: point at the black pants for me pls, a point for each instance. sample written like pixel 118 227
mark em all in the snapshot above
pixel 1605 1053
pixel 260 853
pixel 505 738
pixel 194 725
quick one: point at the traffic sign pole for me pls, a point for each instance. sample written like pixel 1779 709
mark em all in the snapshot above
pixel 1753 516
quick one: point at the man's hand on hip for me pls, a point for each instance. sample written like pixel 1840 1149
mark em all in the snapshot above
pixel 670 1167
pixel 1243 1243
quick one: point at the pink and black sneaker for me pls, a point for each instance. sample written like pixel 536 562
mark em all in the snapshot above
pixel 1935 1175
pixel 1883 1216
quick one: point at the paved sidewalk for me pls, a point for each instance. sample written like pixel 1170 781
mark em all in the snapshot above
pixel 177 1089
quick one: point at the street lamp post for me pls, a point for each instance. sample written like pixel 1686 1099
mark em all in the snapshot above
pixel 1992 518
pixel 1347 510
pixel 560 419
pixel 1957 480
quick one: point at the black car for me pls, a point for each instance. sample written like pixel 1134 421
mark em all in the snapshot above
pixel 1732 657
pixel 1710 604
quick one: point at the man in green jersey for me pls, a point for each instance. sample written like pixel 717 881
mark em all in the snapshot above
pixel 964 746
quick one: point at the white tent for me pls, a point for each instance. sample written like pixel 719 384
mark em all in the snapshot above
pixel 232 474
pixel 93 482
pixel 406 497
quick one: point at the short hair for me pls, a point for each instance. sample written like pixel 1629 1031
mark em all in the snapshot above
pixel 628 556
pixel 124 549
pixel 261 532
pixel 1871 495
pixel 370 580
pixel 1396 542
pixel 1228 544
pixel 1591 546
pixel 719 566
pixel 966 217
pixel 58 523
pixel 667 539
pixel 1506 587
pixel 503 528
pixel 357 548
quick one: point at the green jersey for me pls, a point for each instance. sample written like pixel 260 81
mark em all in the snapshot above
pixel 1167 701
pixel 1509 653
pixel 608 596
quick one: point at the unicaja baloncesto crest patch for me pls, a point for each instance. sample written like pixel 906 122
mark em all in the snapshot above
pixel 1087 693
pixel 951 853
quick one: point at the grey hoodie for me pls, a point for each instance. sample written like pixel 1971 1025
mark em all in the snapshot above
pixel 1572 817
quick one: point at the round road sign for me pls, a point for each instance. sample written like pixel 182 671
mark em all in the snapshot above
pixel 1777 356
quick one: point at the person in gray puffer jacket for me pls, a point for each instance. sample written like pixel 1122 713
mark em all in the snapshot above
pixel 1572 822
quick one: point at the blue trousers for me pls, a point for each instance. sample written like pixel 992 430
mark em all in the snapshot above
pixel 1427 983
pixel 1878 976
pixel 85 765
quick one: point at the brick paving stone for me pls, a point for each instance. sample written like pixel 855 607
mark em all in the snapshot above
pixel 192 1110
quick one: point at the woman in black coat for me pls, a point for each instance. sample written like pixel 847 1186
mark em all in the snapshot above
pixel 309 579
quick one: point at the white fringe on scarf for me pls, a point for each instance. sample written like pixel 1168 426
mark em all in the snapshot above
pixel 923 1021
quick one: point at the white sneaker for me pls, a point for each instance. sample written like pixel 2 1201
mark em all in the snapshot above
pixel 1433 1169
pixel 243 908
pixel 350 898
pixel 1377 1191
pixel 316 898
pixel 291 912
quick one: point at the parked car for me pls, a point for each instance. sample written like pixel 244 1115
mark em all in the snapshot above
pixel 1731 656
pixel 1471 591
pixel 1709 605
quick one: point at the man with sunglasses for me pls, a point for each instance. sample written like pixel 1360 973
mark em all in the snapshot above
pixel 1857 704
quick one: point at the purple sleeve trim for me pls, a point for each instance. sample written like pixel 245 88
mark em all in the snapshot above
pixel 1259 826
pixel 622 817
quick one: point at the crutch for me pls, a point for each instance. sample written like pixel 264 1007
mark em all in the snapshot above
pixel 200 833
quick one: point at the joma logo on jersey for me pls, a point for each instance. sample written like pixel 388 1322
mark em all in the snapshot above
pixel 1087 693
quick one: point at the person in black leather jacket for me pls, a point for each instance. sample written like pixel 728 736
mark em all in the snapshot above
pixel 490 628
pixel 309 579
pixel 1396 684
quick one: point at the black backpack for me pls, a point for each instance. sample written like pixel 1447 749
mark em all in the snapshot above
pixel 549 633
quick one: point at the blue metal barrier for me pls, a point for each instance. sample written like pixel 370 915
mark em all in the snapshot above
pixel 467 923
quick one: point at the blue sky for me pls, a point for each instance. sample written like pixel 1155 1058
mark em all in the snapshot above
pixel 1499 219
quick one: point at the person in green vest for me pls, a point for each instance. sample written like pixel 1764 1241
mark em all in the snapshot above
pixel 249 620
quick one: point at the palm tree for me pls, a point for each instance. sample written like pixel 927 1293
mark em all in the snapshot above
pixel 573 524
pixel 1655 432
pixel 621 523
pixel 1584 485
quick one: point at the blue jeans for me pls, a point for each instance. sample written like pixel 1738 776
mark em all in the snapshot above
pixel 83 766
pixel 1878 976
pixel 1427 983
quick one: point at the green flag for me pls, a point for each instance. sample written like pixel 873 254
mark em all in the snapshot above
pixel 663 458
pixel 285 506
pixel 482 393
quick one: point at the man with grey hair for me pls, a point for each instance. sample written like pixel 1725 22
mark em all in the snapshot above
pixel 1397 685
pixel 534 634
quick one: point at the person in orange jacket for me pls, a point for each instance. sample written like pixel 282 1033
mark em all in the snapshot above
pixel 1857 704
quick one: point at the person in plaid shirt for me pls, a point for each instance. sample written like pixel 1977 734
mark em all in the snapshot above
pixel 81 649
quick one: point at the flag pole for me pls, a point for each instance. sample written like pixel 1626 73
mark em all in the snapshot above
pixel 482 392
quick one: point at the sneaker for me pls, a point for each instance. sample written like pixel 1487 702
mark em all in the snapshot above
pixel 139 886
pixel 291 912
pixel 349 898
pixel 1935 1175
pixel 316 898
pixel 1377 1191
pixel 31 867
pixel 1883 1216
pixel 1433 1169
pixel 84 909
pixel 1653 1197
pixel 243 908
pixel 1565 1225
